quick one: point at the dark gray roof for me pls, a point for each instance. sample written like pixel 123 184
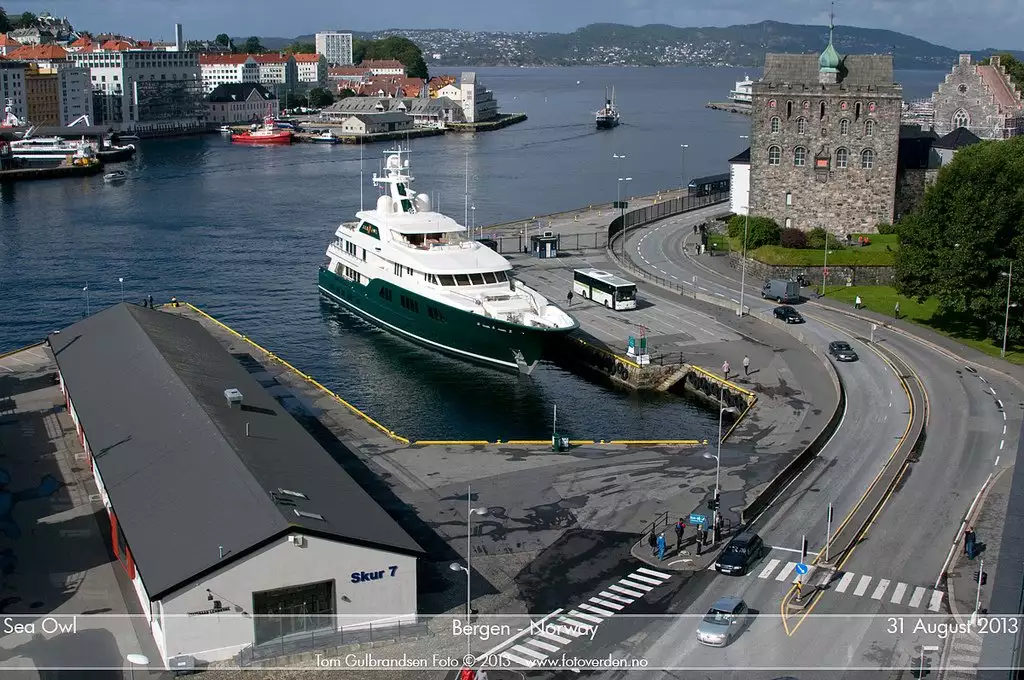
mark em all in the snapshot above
pixel 239 92
pixel 370 104
pixel 741 157
pixel 183 477
pixel 915 131
pixel 854 70
pixel 386 117
pixel 957 139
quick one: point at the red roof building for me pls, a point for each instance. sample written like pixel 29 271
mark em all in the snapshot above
pixel 39 53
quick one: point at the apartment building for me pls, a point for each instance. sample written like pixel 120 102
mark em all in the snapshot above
pixel 57 95
pixel 277 71
pixel 336 47
pixel 225 69
pixel 12 87
pixel 312 70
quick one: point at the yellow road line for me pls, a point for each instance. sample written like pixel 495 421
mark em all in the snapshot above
pixel 722 381
pixel 611 354
pixel 22 349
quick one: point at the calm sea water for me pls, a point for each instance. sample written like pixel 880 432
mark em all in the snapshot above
pixel 240 232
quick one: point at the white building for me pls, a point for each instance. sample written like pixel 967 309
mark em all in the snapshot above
pixel 239 103
pixel 7 45
pixel 75 93
pixel 336 47
pixel 277 71
pixel 223 69
pixel 222 537
pixel 452 91
pixel 376 123
pixel 12 88
pixel 144 91
pixel 384 67
pixel 739 183
pixel 312 70
pixel 478 103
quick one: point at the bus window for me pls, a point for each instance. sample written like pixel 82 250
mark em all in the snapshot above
pixel 625 294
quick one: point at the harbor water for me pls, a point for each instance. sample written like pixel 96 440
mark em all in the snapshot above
pixel 240 232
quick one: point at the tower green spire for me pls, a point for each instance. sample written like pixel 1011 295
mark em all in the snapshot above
pixel 829 60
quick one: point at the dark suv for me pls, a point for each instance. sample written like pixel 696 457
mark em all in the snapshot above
pixel 741 552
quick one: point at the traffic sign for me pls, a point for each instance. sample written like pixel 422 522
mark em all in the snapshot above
pixel 801 568
pixel 698 519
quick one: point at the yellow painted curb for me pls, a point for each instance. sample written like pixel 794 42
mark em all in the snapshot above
pixel 718 379
pixel 22 349
pixel 450 442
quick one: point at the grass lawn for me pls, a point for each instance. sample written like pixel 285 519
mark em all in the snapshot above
pixel 882 299
pixel 874 254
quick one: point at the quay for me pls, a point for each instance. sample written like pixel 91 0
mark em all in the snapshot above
pixel 306 137
pixel 16 174
pixel 731 107
pixel 502 120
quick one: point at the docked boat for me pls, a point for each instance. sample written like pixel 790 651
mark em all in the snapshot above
pixel 116 153
pixel 608 116
pixel 127 137
pixel 325 137
pixel 225 130
pixel 269 133
pixel 50 150
pixel 115 177
pixel 414 272
pixel 743 93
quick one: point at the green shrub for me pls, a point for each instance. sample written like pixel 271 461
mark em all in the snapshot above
pixel 762 231
pixel 816 240
pixel 793 238
pixel 735 227
pixel 885 228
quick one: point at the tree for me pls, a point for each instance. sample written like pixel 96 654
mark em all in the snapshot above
pixel 792 237
pixel 1014 67
pixel 359 50
pixel 761 231
pixel 5 23
pixel 222 39
pixel 27 20
pixel 300 48
pixel 965 234
pixel 392 47
pixel 346 92
pixel 252 46
pixel 319 98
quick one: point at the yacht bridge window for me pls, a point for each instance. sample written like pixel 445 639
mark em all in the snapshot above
pixel 425 241
pixel 472 279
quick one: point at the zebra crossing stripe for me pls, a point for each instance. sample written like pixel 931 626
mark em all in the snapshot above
pixel 576 627
pixel 636 586
pixel 897 594
pixel 606 603
pixel 862 586
pixel 844 582
pixel 547 647
pixel 767 571
pixel 518 661
pixel 586 617
pixel 915 599
pixel 646 579
pixel 784 572
pixel 529 652
pixel 936 600
pixel 880 589
pixel 625 591
pixel 617 598
pixel 596 610
pixel 551 636
pixel 656 574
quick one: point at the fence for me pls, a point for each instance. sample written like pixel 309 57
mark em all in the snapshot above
pixel 595 240
pixel 657 211
pixel 328 637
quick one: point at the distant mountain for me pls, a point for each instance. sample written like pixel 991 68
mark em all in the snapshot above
pixel 660 44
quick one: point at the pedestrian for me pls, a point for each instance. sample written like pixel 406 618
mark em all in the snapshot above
pixel 718 529
pixel 725 369
pixel 972 544
pixel 151 302
pixel 143 302
pixel 652 542
pixel 746 365
pixel 695 230
pixel 967 538
pixel 896 310
pixel 569 298
pixel 661 546
pixel 174 302
pixel 857 304
pixel 680 530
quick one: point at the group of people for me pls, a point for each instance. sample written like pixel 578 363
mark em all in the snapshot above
pixel 726 368
pixel 659 544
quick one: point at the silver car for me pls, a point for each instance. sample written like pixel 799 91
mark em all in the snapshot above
pixel 722 622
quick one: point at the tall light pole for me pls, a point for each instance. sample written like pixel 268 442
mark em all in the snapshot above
pixel 622 212
pixel 85 289
pixel 722 408
pixel 824 269
pixel 682 154
pixel 120 279
pixel 472 229
pixel 136 660
pixel 1006 322
pixel 455 566
pixel 618 196
pixel 746 222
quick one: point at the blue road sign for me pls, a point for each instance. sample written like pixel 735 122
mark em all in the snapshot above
pixel 698 519
pixel 801 568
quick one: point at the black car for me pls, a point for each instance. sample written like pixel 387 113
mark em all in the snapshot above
pixel 788 314
pixel 842 351
pixel 741 552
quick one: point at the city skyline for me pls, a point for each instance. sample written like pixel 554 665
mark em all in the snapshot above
pixel 997 24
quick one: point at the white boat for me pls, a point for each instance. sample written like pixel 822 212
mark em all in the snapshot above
pixel 225 129
pixel 50 150
pixel 127 137
pixel 115 176
pixel 743 93
pixel 325 137
pixel 413 271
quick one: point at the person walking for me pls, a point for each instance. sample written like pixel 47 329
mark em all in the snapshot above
pixel 725 369
pixel 569 298
pixel 695 230
pixel 151 302
pixel 661 546
pixel 972 544
pixel 699 538
pixel 652 542
pixel 857 304
pixel 896 310
pixel 746 365
pixel 680 530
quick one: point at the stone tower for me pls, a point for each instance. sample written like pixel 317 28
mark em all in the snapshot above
pixel 824 141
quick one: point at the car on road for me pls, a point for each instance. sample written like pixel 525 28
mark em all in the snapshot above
pixel 723 622
pixel 741 552
pixel 842 351
pixel 787 314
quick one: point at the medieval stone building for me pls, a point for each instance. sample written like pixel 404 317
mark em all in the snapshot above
pixel 981 98
pixel 824 141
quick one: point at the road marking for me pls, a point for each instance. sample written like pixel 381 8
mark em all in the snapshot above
pixel 792 550
pixel 1004 429
pixel 596 610
pixel 619 589
pixel 576 627
pixel 551 636
pixel 701 288
pixel 784 572
pixel 844 582
pixel 997 461
pixel 1000 402
pixel 651 572
pixel 673 276
pixel 633 584
pixel 646 579
pixel 542 645
pixel 586 617
pixel 897 594
pixel 719 295
pixel 606 603
pixel 880 589
pixel 915 599
pixel 516 660
pixel 1004 415
pixel 936 600
pixel 529 652
pixel 1001 442
pixel 862 586
pixel 993 391
pixel 767 571
pixel 617 598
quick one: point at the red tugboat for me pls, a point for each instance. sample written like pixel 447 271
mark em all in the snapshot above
pixel 268 134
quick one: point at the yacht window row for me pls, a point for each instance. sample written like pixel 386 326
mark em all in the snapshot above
pixel 472 279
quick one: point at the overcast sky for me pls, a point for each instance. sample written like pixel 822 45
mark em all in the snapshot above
pixel 952 23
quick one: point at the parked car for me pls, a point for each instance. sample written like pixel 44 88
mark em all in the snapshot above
pixel 787 314
pixel 842 351
pixel 741 552
pixel 781 290
pixel 723 622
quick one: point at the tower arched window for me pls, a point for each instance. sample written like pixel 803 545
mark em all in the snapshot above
pixel 799 156
pixel 867 159
pixel 822 115
pixel 961 119
pixel 869 128
pixel 774 155
pixel 789 109
pixel 801 126
pixel 856 111
pixel 776 124
pixel 842 158
pixel 844 126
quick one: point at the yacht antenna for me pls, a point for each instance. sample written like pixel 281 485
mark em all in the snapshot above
pixel 465 220
pixel 360 174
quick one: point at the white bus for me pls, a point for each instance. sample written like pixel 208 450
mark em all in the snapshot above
pixel 604 288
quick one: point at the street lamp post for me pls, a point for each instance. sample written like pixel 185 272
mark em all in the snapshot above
pixel 455 566
pixel 85 289
pixel 1006 321
pixel 682 149
pixel 746 223
pixel 618 200
pixel 472 229
pixel 722 408
pixel 120 279
pixel 824 269
pixel 622 212
pixel 136 660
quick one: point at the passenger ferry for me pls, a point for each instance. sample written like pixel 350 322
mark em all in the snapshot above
pixel 413 271
pixel 608 116
pixel 743 93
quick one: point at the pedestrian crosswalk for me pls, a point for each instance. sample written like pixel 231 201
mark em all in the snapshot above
pixel 963 656
pixel 583 619
pixel 863 585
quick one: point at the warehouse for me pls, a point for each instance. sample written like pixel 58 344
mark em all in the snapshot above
pixel 234 525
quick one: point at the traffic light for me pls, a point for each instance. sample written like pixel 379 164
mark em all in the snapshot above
pixel 713 502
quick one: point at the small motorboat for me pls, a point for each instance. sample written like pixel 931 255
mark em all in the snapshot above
pixel 325 137
pixel 127 137
pixel 115 176
pixel 225 129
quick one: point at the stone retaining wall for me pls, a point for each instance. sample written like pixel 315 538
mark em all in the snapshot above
pixel 837 274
